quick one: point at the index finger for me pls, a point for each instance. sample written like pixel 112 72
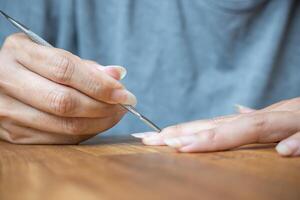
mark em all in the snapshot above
pixel 65 68
pixel 188 128
pixel 248 129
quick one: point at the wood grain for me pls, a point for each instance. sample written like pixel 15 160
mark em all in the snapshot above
pixel 122 168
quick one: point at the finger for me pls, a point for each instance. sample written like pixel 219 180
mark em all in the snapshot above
pixel 65 68
pixel 250 128
pixel 23 135
pixel 289 146
pixel 36 119
pixel 189 128
pixel 52 97
pixel 115 71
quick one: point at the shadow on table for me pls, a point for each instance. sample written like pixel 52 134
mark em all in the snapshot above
pixel 256 147
pixel 110 140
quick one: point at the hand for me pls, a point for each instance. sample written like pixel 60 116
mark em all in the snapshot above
pixel 279 122
pixel 50 96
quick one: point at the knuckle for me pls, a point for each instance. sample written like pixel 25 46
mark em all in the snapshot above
pixel 6 105
pixel 18 137
pixel 259 122
pixel 12 137
pixel 74 126
pixel 95 88
pixel 61 102
pixel 63 67
pixel 258 125
pixel 12 41
pixel 210 135
pixel 9 134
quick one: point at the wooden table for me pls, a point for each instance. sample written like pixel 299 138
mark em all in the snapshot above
pixel 122 168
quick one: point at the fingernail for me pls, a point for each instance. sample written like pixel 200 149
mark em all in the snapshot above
pixel 123 73
pixel 286 148
pixel 143 135
pixel 124 97
pixel 179 142
pixel 243 109
pixel 131 99
pixel 111 70
pixel 122 70
pixel 155 139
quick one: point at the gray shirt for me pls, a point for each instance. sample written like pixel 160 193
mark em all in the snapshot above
pixel 186 59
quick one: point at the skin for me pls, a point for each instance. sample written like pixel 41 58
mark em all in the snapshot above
pixel 50 96
pixel 279 122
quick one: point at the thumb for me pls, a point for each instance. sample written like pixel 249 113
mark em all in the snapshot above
pixel 289 146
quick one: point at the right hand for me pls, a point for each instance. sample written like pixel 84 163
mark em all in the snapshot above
pixel 50 96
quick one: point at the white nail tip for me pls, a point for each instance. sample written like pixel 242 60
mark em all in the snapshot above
pixel 143 135
pixel 241 108
pixel 138 135
pixel 123 71
pixel 123 74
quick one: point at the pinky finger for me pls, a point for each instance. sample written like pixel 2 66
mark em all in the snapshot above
pixel 290 146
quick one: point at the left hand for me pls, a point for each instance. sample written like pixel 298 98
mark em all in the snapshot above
pixel 279 122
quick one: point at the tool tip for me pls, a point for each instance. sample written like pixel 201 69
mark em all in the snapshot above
pixel 4 14
pixel 14 22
